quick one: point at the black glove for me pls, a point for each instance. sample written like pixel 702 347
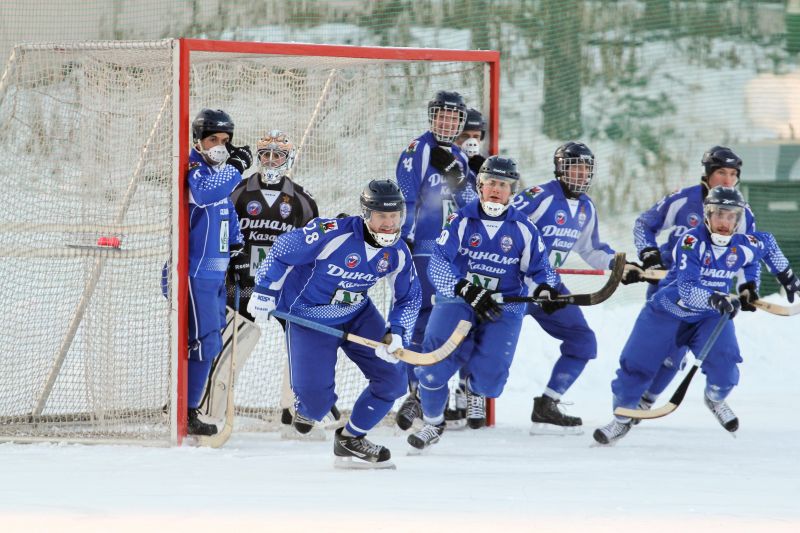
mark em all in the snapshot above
pixel 790 283
pixel 724 303
pixel 651 258
pixel 480 299
pixel 747 295
pixel 632 273
pixel 240 158
pixel 445 162
pixel 546 292
pixel 475 162
pixel 410 244
pixel 239 266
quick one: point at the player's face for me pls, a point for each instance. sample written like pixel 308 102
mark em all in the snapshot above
pixel 725 177
pixel 215 139
pixel 382 222
pixel 468 134
pixel 495 190
pixel 446 122
pixel 272 158
pixel 578 173
pixel 724 221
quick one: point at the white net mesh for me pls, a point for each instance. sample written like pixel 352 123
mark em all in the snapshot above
pixel 87 135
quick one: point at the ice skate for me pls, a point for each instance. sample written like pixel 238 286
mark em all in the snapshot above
pixel 457 418
pixel 409 411
pixel 300 428
pixel 195 426
pixel 724 414
pixel 609 434
pixel 359 453
pixel 548 419
pixel 476 410
pixel 427 436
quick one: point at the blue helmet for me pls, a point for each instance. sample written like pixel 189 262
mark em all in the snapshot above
pixel 475 122
pixel 446 132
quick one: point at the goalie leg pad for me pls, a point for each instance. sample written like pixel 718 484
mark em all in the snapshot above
pixel 216 394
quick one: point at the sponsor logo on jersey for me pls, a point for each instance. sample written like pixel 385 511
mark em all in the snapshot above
pixel 506 243
pixel 688 242
pixel 753 240
pixel 732 257
pixel 328 225
pixel 533 191
pixel 285 207
pixel 260 223
pixel 193 165
pixel 254 208
pixel 339 272
pixel 553 231
pixel 707 258
pixel 383 263
pixel 412 147
pixel 693 220
pixel 475 240
pixel 717 273
pixel 451 217
pixel 488 256
pixel 561 217
pixel 582 217
pixel 352 260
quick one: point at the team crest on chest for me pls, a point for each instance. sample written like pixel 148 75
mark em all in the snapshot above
pixel 506 243
pixel 383 263
pixel 254 208
pixel 732 257
pixel 707 258
pixel 582 217
pixel 352 260
pixel 286 206
pixel 475 240
pixel 561 217
pixel 693 220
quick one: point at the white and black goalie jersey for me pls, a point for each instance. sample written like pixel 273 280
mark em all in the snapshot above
pixel 266 212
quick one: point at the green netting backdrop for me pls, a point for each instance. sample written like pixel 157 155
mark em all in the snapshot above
pixel 649 84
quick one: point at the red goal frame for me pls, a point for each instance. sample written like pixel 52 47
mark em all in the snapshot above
pixel 491 58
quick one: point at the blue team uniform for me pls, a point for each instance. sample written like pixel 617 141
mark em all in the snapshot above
pixel 322 272
pixel 429 202
pixel 213 227
pixel 505 254
pixel 566 225
pixel 679 315
pixel 678 212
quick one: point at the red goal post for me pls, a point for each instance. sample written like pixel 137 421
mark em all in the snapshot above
pixel 113 119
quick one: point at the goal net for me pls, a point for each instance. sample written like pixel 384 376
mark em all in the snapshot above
pixel 94 142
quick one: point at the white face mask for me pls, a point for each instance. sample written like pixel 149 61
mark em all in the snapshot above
pixel 218 154
pixel 493 209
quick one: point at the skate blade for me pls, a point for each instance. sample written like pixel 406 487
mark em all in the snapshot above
pixel 539 428
pixel 414 452
pixel 352 463
pixel 317 434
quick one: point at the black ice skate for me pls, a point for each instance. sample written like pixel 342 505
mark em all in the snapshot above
pixel 724 414
pixel 359 453
pixel 195 426
pixel 302 424
pixel 476 410
pixel 611 432
pixel 426 436
pixel 409 411
pixel 548 419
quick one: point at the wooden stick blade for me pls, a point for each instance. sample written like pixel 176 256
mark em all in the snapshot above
pixel 642 414
pixel 777 309
pixel 426 359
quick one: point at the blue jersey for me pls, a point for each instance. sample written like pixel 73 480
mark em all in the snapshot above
pixel 323 272
pixel 565 224
pixel 504 254
pixel 679 212
pixel 213 224
pixel 429 200
pixel 700 268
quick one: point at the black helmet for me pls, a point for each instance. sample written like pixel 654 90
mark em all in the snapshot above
pixel 447 101
pixel 720 157
pixel 573 153
pixel 500 167
pixel 723 199
pixel 475 122
pixel 211 121
pixel 384 196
